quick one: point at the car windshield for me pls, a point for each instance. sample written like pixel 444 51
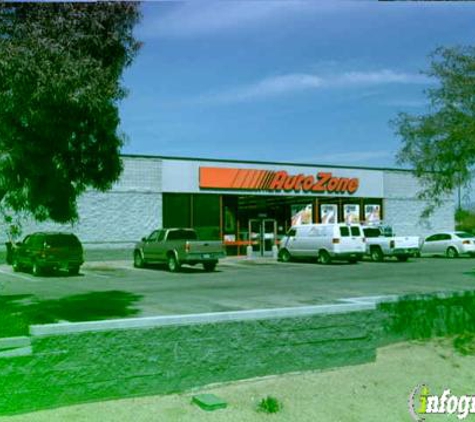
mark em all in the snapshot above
pixel 464 235
pixel 61 240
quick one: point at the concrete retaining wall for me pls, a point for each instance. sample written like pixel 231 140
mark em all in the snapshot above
pixel 96 365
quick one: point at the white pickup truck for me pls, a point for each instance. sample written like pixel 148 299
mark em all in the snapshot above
pixel 381 243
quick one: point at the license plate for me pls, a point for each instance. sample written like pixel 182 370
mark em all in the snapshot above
pixel 206 256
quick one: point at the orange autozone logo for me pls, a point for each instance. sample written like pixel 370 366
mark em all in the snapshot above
pixel 251 179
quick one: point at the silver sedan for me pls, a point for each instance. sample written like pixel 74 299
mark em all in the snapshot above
pixel 451 244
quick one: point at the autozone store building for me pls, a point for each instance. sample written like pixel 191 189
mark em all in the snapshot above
pixel 246 202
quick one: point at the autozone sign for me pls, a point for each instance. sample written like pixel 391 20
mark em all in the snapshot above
pixel 268 180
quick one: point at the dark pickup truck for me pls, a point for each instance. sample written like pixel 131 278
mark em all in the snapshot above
pixel 176 247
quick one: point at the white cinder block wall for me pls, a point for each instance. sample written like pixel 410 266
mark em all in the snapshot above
pixel 402 209
pixel 121 216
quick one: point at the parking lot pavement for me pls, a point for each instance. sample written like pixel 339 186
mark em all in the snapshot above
pixel 240 284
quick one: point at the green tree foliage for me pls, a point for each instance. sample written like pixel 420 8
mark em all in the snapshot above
pixel 465 220
pixel 60 84
pixel 440 145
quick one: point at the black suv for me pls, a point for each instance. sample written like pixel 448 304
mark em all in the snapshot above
pixel 48 251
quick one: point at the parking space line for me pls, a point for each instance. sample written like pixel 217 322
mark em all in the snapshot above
pixel 95 274
pixel 18 276
pixel 91 267
pixel 255 263
pixel 127 268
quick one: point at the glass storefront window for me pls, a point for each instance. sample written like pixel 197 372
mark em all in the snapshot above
pixel 200 212
pixel 176 210
pixel 206 219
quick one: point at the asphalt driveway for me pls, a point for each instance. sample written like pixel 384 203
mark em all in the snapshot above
pixel 111 289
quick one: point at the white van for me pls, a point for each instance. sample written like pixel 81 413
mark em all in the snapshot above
pixel 325 242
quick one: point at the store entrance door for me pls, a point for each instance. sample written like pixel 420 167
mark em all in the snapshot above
pixel 263 236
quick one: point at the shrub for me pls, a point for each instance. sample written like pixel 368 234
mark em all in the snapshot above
pixel 465 344
pixel 270 405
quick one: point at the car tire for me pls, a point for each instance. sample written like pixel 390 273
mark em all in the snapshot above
pixel 324 257
pixel 74 270
pixel 451 252
pixel 138 259
pixel 402 258
pixel 376 254
pixel 36 270
pixel 209 266
pixel 285 256
pixel 353 260
pixel 173 264
pixel 16 265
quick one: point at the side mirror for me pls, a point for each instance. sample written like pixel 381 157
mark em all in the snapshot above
pixel 143 239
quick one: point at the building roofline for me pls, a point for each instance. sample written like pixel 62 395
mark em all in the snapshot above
pixel 281 163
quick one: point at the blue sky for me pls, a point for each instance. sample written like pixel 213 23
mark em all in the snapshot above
pixel 305 82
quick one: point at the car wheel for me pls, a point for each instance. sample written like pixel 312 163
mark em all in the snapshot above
pixel 209 266
pixel 376 255
pixel 284 255
pixel 353 260
pixel 173 264
pixel 402 258
pixel 451 252
pixel 138 260
pixel 36 270
pixel 74 270
pixel 16 265
pixel 324 257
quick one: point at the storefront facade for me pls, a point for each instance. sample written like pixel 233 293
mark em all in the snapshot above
pixel 247 203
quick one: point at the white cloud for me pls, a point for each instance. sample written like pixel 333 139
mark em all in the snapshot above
pixel 268 87
pixel 384 76
pixel 297 82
